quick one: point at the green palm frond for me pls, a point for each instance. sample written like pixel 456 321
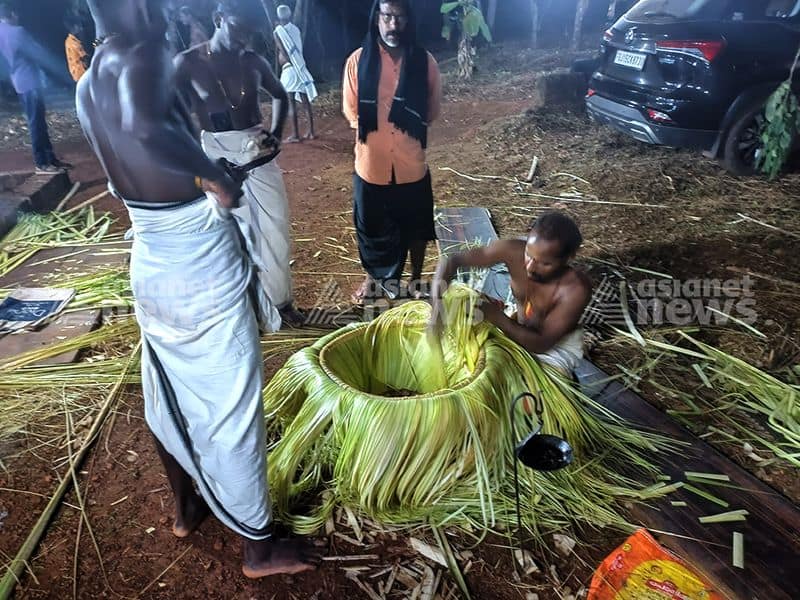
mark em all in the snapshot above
pixel 375 418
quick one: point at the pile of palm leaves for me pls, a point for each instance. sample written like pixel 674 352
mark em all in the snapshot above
pixel 35 232
pixel 713 384
pixel 375 418
pixel 35 396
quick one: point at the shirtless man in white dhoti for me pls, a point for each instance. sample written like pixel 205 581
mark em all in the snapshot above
pixel 202 370
pixel 222 79
pixel 550 295
pixel 295 77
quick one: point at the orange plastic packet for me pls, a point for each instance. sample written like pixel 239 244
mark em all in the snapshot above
pixel 642 569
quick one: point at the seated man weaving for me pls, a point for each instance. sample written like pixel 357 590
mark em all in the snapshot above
pixel 549 294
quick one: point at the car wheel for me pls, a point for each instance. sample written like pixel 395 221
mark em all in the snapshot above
pixel 743 145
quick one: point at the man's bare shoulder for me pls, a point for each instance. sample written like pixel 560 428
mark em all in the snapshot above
pixel 509 248
pixel 117 59
pixel 576 281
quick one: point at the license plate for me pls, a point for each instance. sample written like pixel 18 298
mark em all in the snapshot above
pixel 634 60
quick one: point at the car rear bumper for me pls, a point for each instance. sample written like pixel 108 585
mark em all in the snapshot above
pixel 631 121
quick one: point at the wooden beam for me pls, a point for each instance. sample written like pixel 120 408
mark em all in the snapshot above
pixel 772 528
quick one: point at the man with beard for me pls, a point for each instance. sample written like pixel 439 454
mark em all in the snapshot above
pixel 549 294
pixel 223 79
pixel 191 275
pixel 391 92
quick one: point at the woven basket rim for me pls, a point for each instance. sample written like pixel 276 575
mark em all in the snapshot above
pixel 354 330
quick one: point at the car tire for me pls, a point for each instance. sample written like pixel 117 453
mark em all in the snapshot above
pixel 743 142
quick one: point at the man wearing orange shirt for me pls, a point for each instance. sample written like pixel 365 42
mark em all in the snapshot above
pixel 392 90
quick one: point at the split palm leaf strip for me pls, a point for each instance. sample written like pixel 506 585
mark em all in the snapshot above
pixel 105 288
pixel 34 395
pixel 34 232
pixel 376 418
pixel 756 390
pixel 102 288
pixel 715 384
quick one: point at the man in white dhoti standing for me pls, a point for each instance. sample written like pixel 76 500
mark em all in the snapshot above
pixel 295 77
pixel 191 274
pixel 222 79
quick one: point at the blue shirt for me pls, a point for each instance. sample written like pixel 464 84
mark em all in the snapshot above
pixel 20 49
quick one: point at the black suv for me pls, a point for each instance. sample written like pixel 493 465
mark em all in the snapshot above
pixel 696 73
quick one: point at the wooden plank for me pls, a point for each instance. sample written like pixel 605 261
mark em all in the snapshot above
pixel 67 260
pixel 771 531
pixel 34 273
pixel 458 227
pixel 66 326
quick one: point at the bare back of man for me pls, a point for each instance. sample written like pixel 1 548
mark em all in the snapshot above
pixel 129 109
pixel 136 124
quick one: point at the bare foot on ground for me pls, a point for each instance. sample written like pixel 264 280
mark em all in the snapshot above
pixel 189 518
pixel 279 557
pixel 362 292
pixel 292 139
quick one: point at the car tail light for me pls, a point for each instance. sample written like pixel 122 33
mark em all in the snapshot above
pixel 608 35
pixel 590 92
pixel 657 116
pixel 707 50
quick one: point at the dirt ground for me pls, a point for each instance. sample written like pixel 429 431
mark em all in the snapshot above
pixel 691 227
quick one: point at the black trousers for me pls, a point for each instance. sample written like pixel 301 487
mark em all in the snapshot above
pixel 387 219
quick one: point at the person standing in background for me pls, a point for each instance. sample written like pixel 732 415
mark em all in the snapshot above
pixel 222 80
pixel 24 56
pixel 295 77
pixel 391 92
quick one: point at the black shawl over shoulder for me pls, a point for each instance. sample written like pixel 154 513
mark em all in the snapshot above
pixel 409 112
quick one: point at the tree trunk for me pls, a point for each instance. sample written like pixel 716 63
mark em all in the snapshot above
pixel 466 63
pixel 491 14
pixel 269 42
pixel 300 17
pixel 576 32
pixel 612 11
pixel 534 23
pixel 269 10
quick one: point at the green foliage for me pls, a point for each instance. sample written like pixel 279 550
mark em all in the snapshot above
pixel 782 114
pixel 469 18
pixel 783 123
